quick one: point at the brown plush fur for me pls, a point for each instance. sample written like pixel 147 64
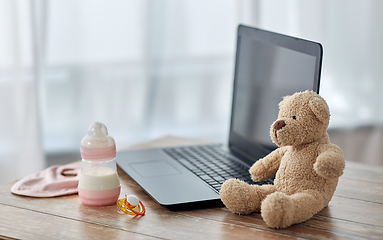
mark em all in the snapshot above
pixel 306 166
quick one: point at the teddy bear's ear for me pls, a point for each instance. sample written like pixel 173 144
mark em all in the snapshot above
pixel 319 107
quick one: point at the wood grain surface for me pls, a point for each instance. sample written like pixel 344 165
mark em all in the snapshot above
pixel 355 212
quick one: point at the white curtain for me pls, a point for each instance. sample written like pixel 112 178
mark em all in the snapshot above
pixel 21 150
pixel 151 68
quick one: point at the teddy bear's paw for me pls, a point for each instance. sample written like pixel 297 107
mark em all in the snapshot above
pixel 329 166
pixel 277 210
pixel 325 171
pixel 258 171
pixel 239 197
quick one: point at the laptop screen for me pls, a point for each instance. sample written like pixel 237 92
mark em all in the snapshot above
pixel 268 67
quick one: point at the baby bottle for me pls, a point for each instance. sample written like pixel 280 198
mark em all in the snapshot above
pixel 99 184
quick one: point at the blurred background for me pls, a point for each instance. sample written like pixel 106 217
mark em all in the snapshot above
pixel 148 69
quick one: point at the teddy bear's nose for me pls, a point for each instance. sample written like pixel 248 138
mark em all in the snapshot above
pixel 279 124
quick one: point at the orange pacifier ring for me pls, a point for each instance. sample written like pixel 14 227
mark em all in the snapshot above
pixel 131 205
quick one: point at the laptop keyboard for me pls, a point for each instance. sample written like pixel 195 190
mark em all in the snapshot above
pixel 212 164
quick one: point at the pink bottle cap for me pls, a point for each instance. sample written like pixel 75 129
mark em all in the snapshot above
pixel 98 145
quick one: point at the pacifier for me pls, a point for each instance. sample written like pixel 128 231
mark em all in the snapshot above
pixel 131 205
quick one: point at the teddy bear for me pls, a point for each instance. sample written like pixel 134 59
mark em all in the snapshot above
pixel 306 166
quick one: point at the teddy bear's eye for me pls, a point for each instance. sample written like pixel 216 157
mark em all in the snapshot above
pixel 295 117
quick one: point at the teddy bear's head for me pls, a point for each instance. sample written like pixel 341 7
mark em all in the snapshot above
pixel 303 118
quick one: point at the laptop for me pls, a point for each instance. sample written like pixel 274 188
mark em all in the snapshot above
pixel 268 66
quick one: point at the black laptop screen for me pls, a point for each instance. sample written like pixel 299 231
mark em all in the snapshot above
pixel 268 68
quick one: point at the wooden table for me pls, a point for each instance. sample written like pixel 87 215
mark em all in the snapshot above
pixel 355 212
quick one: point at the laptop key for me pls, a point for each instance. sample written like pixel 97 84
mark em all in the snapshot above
pixel 206 177
pixel 219 178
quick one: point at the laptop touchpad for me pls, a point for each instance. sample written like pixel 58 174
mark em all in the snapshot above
pixel 154 168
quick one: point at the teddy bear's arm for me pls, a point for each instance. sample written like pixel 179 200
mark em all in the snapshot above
pixel 330 162
pixel 267 167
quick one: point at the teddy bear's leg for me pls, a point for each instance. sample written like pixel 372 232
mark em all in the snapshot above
pixel 242 198
pixel 280 210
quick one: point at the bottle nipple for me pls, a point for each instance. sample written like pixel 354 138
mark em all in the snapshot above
pixel 97 145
